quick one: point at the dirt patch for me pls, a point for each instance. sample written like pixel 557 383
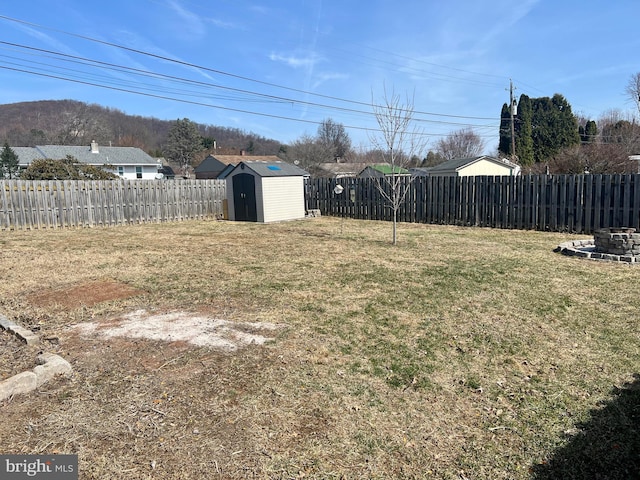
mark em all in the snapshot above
pixel 183 327
pixel 87 294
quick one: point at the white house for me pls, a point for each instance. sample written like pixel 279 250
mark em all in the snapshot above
pixel 259 191
pixel 474 166
pixel 129 163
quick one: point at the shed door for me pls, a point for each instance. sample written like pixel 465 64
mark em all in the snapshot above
pixel 244 197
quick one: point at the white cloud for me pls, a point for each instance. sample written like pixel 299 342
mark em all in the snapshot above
pixel 222 24
pixel 327 77
pixel 296 62
pixel 190 22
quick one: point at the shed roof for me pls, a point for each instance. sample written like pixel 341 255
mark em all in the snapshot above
pixel 236 159
pixel 273 169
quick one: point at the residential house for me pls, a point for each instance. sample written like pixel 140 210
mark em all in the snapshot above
pixel 167 172
pixel 129 163
pixel 338 170
pixel 474 166
pixel 380 170
pixel 213 165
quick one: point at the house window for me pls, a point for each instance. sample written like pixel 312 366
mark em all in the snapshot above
pixel 120 171
pixel 138 172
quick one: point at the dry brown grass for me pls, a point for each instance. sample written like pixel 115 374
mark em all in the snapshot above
pixel 459 353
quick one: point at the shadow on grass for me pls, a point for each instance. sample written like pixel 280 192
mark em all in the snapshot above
pixel 606 447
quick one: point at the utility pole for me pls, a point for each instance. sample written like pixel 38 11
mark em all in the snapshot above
pixel 513 108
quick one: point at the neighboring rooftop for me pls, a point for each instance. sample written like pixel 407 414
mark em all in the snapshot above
pixel 92 155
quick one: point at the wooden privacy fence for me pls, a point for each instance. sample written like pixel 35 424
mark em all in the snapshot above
pixel 561 203
pixel 75 203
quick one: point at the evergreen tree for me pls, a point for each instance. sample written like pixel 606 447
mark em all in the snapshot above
pixel 183 142
pixel 554 126
pixel 9 167
pixel 433 159
pixel 66 169
pixel 590 132
pixel 524 128
pixel 504 145
pixel 543 127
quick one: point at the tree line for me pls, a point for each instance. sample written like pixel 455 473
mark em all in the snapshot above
pixel 69 122
pixel 548 136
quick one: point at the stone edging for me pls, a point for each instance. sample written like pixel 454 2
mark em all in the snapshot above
pixel 49 365
pixel 587 249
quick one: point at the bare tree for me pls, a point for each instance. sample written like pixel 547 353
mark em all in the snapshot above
pixel 463 143
pixel 398 141
pixel 633 90
pixel 617 128
pixel 307 152
pixel 334 138
pixel 595 158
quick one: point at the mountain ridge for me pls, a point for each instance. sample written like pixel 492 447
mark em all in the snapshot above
pixel 71 122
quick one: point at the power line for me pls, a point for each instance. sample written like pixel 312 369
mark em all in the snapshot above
pixel 220 72
pixel 191 102
pixel 146 73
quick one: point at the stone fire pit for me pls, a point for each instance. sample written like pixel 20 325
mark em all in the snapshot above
pixel 617 241
pixel 620 244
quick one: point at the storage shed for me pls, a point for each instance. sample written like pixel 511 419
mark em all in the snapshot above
pixel 259 191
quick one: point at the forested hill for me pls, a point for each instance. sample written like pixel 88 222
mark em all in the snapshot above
pixel 69 122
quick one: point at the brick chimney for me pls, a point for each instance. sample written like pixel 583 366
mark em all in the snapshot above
pixel 94 147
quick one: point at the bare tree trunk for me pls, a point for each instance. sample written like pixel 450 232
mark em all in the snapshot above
pixel 395 221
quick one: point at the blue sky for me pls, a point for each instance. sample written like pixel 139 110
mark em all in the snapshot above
pixel 279 68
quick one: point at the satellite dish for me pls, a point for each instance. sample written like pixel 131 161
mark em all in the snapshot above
pixel 159 176
pixel 296 162
pixel 338 189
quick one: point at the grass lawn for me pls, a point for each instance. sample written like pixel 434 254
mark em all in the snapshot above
pixel 460 353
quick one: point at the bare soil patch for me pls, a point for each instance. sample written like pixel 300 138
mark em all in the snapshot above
pixel 182 327
pixel 86 294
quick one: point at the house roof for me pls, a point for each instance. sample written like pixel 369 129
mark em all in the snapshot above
pixel 26 155
pixel 236 159
pixel 84 154
pixel 167 171
pixel 102 156
pixel 420 171
pixel 273 169
pixel 459 163
pixel 334 168
pixel 387 169
pixel 210 164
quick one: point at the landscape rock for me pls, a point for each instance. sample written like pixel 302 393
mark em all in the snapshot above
pixel 24 382
pixel 23 334
pixel 50 366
